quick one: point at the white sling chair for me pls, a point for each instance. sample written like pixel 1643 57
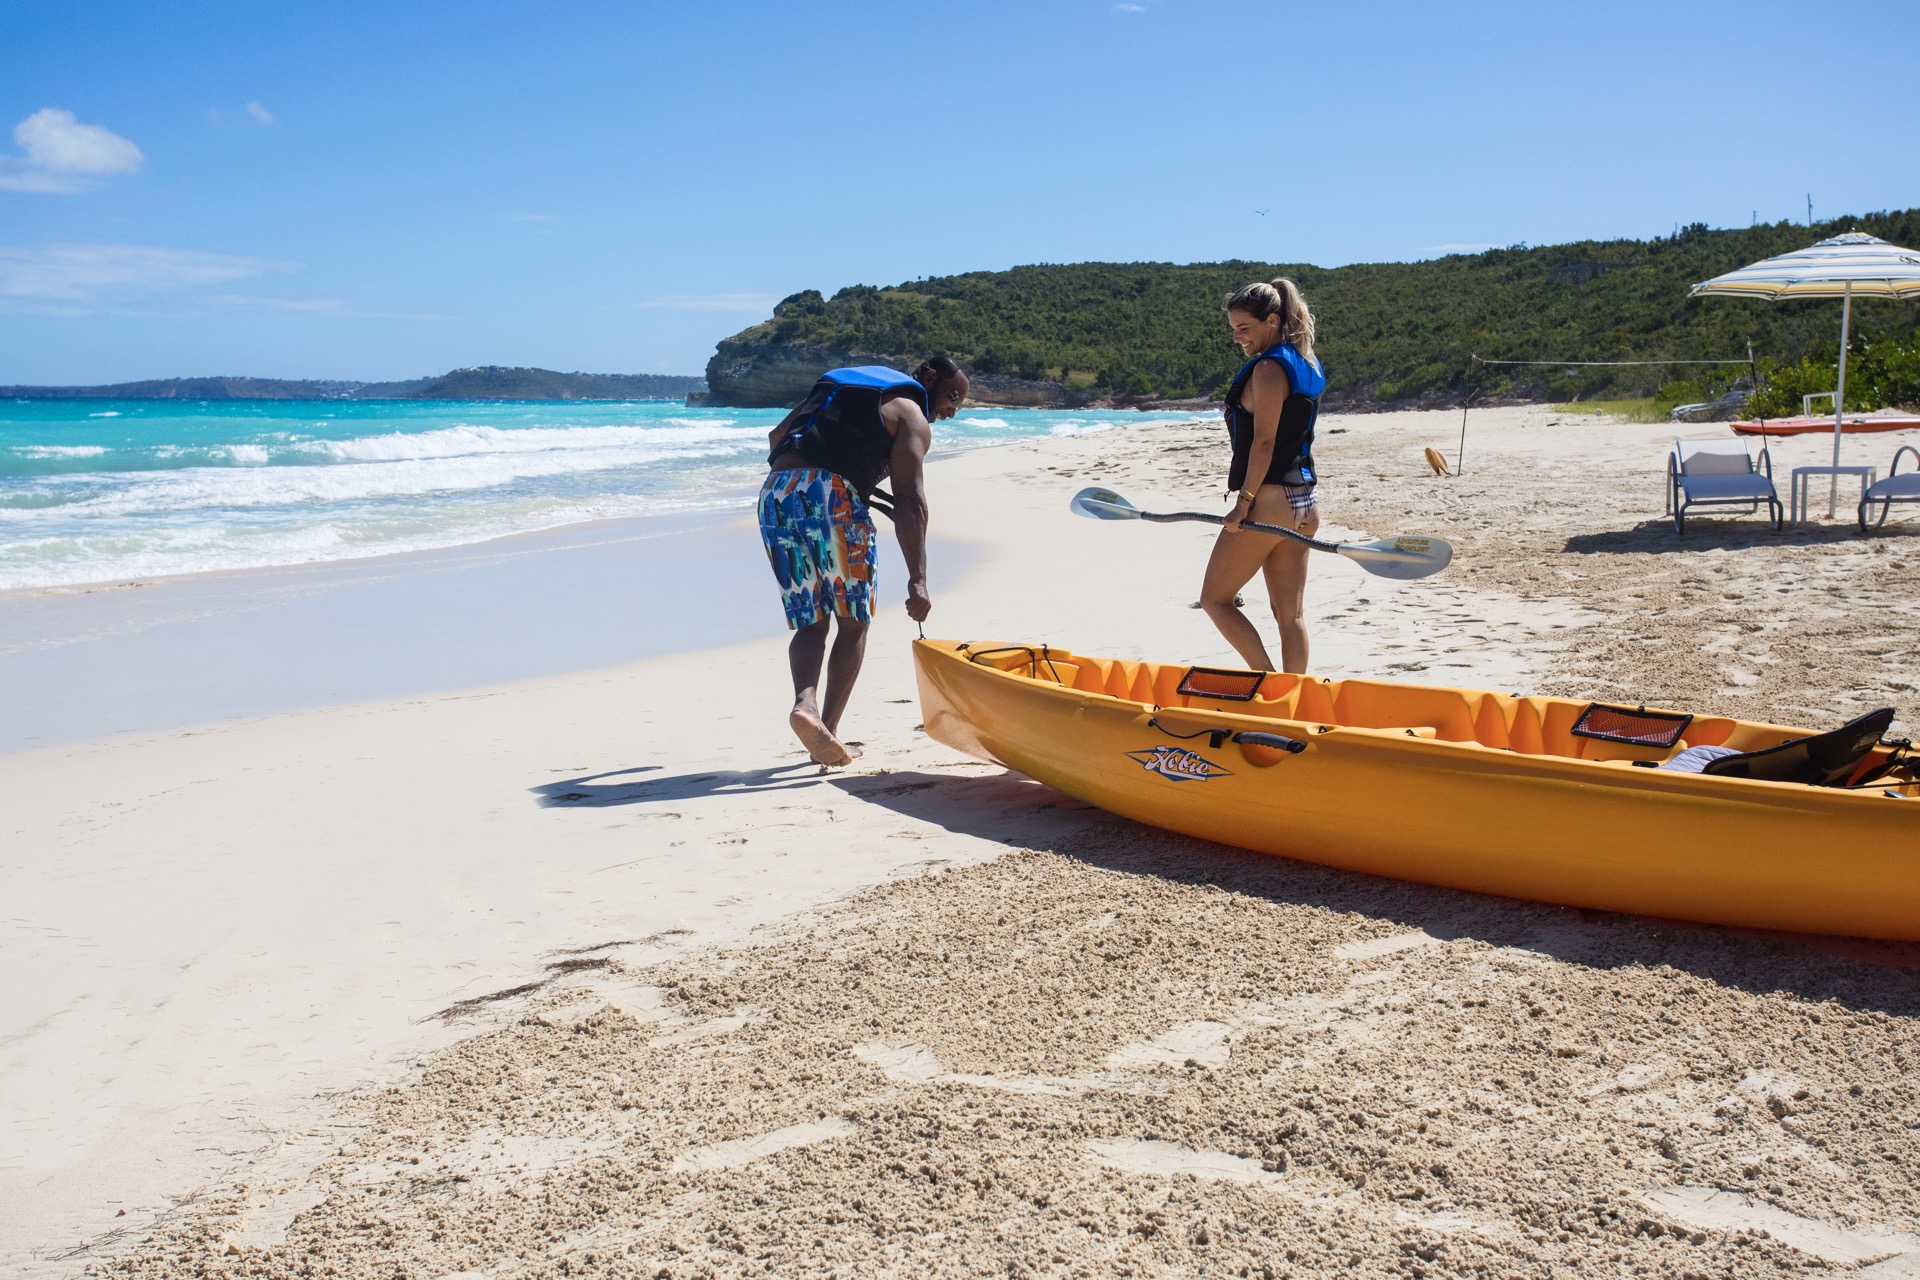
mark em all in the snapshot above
pixel 1899 486
pixel 1718 473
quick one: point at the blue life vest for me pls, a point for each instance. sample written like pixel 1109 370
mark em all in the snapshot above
pixel 1293 441
pixel 838 428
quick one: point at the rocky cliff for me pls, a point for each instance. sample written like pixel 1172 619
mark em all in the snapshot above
pixel 750 373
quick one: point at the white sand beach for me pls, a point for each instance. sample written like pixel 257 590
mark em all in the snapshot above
pixel 593 973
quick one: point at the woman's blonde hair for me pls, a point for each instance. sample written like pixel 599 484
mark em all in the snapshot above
pixel 1262 300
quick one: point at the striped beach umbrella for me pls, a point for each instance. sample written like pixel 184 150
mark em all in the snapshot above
pixel 1844 267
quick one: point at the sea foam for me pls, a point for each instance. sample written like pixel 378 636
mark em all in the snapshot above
pixel 154 488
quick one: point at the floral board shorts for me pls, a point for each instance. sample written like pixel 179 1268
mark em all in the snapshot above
pixel 820 541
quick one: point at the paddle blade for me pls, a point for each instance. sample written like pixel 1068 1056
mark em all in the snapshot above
pixel 1104 504
pixel 1402 558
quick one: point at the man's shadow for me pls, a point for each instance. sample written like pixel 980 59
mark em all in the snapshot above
pixel 618 787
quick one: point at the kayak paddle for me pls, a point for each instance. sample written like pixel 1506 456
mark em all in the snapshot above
pixel 1403 558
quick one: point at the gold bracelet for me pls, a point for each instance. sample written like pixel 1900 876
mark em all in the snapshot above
pixel 1248 496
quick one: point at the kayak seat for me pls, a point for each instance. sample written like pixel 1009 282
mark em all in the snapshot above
pixel 1557 718
pixel 1368 704
pixel 1695 759
pixel 1315 703
pixel 1827 759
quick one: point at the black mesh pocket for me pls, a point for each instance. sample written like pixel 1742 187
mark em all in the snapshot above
pixel 1228 686
pixel 1637 725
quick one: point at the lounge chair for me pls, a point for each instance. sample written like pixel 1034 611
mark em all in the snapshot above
pixel 1719 473
pixel 1899 486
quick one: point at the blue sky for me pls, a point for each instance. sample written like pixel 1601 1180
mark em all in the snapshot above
pixel 389 190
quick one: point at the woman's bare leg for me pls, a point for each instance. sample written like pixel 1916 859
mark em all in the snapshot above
pixel 1285 570
pixel 1236 558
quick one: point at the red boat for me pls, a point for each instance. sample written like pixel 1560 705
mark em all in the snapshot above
pixel 1819 426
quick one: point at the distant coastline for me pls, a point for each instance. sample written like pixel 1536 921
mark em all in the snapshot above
pixel 483 382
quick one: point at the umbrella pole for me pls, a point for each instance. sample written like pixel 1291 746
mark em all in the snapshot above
pixel 1839 401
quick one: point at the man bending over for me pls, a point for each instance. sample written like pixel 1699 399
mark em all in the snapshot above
pixel 856 428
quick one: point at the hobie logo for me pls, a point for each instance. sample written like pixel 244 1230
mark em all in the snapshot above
pixel 1178 764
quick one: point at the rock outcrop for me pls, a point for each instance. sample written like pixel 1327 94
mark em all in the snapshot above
pixel 775 375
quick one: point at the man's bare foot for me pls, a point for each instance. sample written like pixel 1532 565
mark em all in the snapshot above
pixel 818 739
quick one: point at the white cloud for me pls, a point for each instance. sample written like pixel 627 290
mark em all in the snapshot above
pixel 1129 8
pixel 261 116
pixel 318 307
pixel 314 306
pixel 64 156
pixel 756 302
pixel 93 274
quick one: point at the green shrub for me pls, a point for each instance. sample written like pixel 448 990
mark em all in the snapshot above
pixel 1882 373
pixel 1398 330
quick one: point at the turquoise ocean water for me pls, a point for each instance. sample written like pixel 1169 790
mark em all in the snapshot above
pixel 109 490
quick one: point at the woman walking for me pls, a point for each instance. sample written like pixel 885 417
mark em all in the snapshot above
pixel 1270 411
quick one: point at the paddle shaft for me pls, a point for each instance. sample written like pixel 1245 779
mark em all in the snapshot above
pixel 1170 517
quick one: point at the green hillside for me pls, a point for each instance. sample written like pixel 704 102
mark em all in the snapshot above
pixel 487 382
pixel 1390 332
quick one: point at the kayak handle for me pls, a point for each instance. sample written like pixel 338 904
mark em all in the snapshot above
pixel 1292 746
pixel 1217 737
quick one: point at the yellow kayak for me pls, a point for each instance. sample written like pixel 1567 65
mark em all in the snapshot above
pixel 1550 799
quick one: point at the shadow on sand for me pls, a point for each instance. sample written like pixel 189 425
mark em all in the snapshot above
pixel 1704 533
pixel 1857 973
pixel 600 790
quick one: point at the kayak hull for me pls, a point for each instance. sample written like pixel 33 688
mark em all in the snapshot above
pixel 1823 426
pixel 1427 799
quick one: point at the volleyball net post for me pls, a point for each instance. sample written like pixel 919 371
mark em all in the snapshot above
pixel 1473 359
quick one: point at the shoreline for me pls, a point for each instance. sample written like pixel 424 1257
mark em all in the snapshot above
pixel 75 649
pixel 712 508
pixel 237 937
pixel 199 649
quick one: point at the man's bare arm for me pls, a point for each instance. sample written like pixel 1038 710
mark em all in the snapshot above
pixel 779 433
pixel 912 434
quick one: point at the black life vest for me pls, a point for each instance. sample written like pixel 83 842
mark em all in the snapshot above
pixel 838 428
pixel 1293 441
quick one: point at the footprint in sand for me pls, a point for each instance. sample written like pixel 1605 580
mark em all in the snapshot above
pixel 1374 948
pixel 1201 1042
pixel 1710 1209
pixel 744 1151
